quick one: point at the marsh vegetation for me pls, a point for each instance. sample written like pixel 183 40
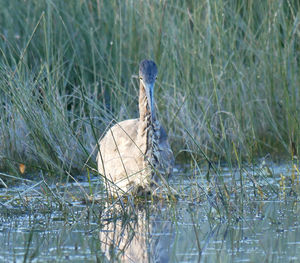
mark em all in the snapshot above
pixel 227 93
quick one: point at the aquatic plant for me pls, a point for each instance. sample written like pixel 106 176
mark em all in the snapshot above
pixel 228 85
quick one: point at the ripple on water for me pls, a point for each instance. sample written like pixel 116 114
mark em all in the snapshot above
pixel 47 227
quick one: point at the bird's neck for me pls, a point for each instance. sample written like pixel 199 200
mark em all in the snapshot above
pixel 149 129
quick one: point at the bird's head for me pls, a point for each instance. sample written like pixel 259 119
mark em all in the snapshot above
pixel 147 75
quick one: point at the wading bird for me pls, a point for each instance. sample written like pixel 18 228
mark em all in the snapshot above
pixel 135 155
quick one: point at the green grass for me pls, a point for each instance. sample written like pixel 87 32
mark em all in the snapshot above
pixel 228 83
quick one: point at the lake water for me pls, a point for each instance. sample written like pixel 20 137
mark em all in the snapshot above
pixel 259 222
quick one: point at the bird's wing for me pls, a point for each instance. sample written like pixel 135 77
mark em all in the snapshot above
pixel 166 152
pixel 120 136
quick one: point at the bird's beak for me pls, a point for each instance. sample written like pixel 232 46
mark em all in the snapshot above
pixel 149 93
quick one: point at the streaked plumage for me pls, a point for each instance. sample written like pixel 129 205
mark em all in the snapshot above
pixel 135 153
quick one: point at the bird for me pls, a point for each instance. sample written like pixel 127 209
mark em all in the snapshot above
pixel 134 156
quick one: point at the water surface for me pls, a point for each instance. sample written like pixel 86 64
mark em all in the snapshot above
pixel 258 221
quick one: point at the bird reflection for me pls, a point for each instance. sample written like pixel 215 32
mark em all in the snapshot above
pixel 138 238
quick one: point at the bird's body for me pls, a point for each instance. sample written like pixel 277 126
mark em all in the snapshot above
pixel 135 154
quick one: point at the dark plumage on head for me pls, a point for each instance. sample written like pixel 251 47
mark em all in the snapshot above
pixel 148 71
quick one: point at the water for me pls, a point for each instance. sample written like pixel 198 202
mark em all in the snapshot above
pixel 260 224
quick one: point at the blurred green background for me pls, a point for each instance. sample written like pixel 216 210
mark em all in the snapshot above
pixel 228 82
